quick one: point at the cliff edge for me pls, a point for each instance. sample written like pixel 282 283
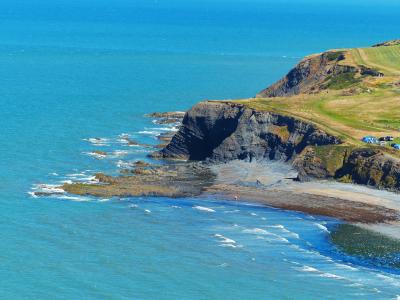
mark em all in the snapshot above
pixel 223 131
pixel 314 118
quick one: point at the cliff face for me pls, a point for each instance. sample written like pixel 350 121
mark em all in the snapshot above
pixel 221 131
pixel 371 167
pixel 363 166
pixel 312 74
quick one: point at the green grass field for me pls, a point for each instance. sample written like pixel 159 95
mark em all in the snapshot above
pixel 384 59
pixel 350 117
pixel 374 109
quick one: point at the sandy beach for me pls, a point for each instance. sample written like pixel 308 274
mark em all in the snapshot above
pixel 273 184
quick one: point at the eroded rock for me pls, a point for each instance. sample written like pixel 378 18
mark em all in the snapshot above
pixel 174 180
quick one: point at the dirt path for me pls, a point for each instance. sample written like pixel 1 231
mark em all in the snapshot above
pixel 364 57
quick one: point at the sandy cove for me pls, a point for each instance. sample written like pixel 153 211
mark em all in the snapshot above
pixel 273 184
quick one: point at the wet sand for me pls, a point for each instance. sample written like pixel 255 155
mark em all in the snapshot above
pixel 272 184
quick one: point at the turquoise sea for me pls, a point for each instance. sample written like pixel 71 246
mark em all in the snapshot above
pixel 72 70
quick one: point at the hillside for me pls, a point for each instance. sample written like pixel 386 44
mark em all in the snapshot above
pixel 315 118
pixel 349 93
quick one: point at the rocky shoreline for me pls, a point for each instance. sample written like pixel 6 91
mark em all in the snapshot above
pixel 211 178
pixel 198 161
pixel 225 131
pixel 215 133
pixel 171 180
pixel 346 210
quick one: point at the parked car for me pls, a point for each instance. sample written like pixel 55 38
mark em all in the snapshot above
pixel 389 138
pixel 386 138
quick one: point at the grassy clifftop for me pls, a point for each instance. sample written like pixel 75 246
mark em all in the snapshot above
pixel 383 58
pixel 355 93
pixel 348 93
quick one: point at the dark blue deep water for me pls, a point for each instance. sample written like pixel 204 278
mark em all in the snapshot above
pixel 72 70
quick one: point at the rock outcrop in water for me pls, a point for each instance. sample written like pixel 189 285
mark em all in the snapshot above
pixel 174 180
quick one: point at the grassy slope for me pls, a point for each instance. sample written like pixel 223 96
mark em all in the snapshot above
pixel 374 109
pixel 385 59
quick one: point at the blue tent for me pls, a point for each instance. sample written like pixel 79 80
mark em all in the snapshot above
pixel 370 140
pixel 396 146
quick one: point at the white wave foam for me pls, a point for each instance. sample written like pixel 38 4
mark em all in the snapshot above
pixel 103 200
pixel 231 211
pixel 66 181
pixel 147 132
pixel 147 211
pixel 81 177
pixel 294 235
pixel 330 275
pixel 277 226
pixel 309 269
pixel 47 189
pixel 322 227
pixel 285 230
pixel 281 239
pixel 33 195
pixel 223 265
pixel 203 208
pixel 228 245
pixel 123 140
pixel 90 179
pixel 224 239
pixel 265 235
pixel 76 175
pixel 124 164
pixel 119 153
pixel 170 128
pixel 356 284
pixel 98 141
pixel 73 198
pixel 346 267
pixel 95 155
pixel 256 231
pixel 390 280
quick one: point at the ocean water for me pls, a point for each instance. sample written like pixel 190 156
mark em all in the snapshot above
pixel 79 69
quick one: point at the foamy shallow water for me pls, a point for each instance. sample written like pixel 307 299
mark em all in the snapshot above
pixel 177 245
